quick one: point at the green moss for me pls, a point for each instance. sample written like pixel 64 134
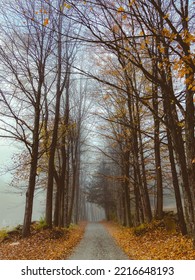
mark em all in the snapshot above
pixel 140 230
pixel 41 224
pixel 3 234
pixel 72 226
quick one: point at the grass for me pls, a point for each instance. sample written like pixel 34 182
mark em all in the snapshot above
pixel 3 234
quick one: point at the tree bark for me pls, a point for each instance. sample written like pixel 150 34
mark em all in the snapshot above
pixel 33 170
pixel 178 200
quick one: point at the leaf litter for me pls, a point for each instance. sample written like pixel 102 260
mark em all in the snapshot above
pixel 42 244
pixel 155 244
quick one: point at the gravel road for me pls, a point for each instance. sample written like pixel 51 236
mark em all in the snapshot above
pixel 97 244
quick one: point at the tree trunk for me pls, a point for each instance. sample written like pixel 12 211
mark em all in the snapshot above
pixel 159 198
pixel 178 200
pixel 146 199
pixel 33 173
pixel 190 112
pixel 51 164
pixel 74 174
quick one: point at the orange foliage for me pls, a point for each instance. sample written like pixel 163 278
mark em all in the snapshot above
pixel 156 244
pixel 46 21
pixel 45 244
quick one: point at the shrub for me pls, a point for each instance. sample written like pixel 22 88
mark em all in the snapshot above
pixel 41 224
pixel 170 224
pixel 3 234
pixel 140 230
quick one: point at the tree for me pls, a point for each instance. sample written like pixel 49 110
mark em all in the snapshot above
pixel 24 54
pixel 100 193
pixel 65 55
pixel 128 32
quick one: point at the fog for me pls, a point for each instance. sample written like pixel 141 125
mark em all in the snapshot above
pixel 12 202
pixel 12 206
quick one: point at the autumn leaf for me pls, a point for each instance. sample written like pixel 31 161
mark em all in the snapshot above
pixel 191 87
pixel 46 21
pixel 115 28
pixel 67 6
pixel 161 49
pixel 180 124
pixel 106 96
pixel 42 244
pixel 157 243
pixel 131 3
pixel 166 16
pixel 124 17
pixel 120 9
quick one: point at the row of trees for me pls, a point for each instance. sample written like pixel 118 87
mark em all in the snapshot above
pixel 145 57
pixel 43 103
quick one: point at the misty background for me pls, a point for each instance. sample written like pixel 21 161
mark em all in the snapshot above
pixel 12 200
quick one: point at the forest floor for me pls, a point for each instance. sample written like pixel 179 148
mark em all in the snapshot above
pixel 152 242
pixel 148 242
pixel 42 244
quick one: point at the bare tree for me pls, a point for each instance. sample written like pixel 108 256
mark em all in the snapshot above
pixel 25 50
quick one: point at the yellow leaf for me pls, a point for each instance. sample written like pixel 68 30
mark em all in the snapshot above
pixel 161 49
pixel 180 124
pixel 67 6
pixel 166 32
pixel 120 9
pixel 131 3
pixel 124 17
pixel 46 21
pixel 143 45
pixel 166 16
pixel 39 169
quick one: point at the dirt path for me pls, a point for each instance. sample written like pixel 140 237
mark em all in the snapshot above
pixel 97 244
